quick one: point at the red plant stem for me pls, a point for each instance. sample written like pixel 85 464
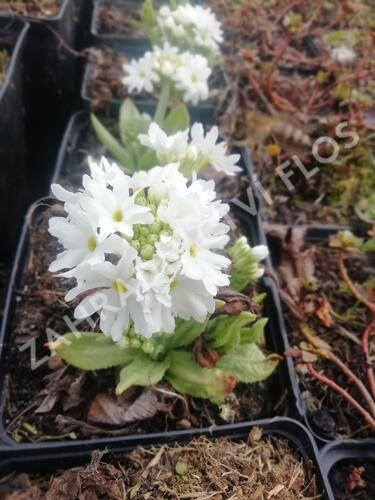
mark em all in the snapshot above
pixel 370 371
pixel 329 355
pixel 330 383
pixel 352 287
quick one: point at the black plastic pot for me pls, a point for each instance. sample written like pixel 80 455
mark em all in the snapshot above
pixel 13 173
pixel 59 456
pixel 137 42
pixel 336 455
pixel 298 405
pixel 50 86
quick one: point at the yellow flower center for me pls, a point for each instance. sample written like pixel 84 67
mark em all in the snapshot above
pixel 194 78
pixel 193 251
pixel 119 286
pixel 117 215
pixel 174 284
pixel 91 243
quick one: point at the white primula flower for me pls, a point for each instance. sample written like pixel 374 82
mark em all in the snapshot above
pixel 191 25
pixel 185 72
pixel 193 155
pixel 216 153
pixel 192 79
pixel 114 293
pixel 343 54
pixel 143 250
pixel 115 209
pixel 141 74
pixel 190 299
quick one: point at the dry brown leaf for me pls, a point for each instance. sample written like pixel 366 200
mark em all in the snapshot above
pixel 111 410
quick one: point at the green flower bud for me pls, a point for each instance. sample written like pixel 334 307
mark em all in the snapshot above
pixel 156 227
pixel 152 239
pixel 147 252
pixel 148 347
pixel 135 343
pixel 136 245
pixel 144 231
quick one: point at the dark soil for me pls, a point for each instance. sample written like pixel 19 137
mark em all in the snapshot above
pixel 261 468
pixel 122 20
pixel 32 8
pixel 105 77
pixel 4 275
pixel 353 480
pixel 334 316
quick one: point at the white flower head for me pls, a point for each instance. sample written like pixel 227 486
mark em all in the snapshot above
pixel 201 151
pixel 187 73
pixel 194 26
pixel 143 250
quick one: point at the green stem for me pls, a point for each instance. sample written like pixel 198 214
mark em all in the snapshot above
pixel 163 102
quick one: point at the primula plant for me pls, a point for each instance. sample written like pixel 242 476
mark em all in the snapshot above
pixel 148 254
pixel 186 42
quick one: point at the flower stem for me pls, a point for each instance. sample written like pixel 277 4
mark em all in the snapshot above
pixel 357 294
pixel 163 102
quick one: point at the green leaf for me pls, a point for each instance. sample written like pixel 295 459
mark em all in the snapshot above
pixel 225 331
pixel 187 377
pixel 254 333
pixel 147 160
pixel 132 122
pixel 148 14
pixel 112 144
pixel 369 245
pixel 185 333
pixel 244 269
pixel 248 363
pixel 91 351
pixel 143 371
pixel 178 119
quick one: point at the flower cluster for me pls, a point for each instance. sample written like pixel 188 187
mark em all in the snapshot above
pixel 142 249
pixel 186 73
pixel 194 154
pixel 191 24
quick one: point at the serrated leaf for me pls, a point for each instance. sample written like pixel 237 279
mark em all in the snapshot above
pixel 142 371
pixel 178 119
pixel 225 331
pixel 248 363
pixel 91 351
pixel 185 333
pixel 187 377
pixel 254 333
pixel 112 144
